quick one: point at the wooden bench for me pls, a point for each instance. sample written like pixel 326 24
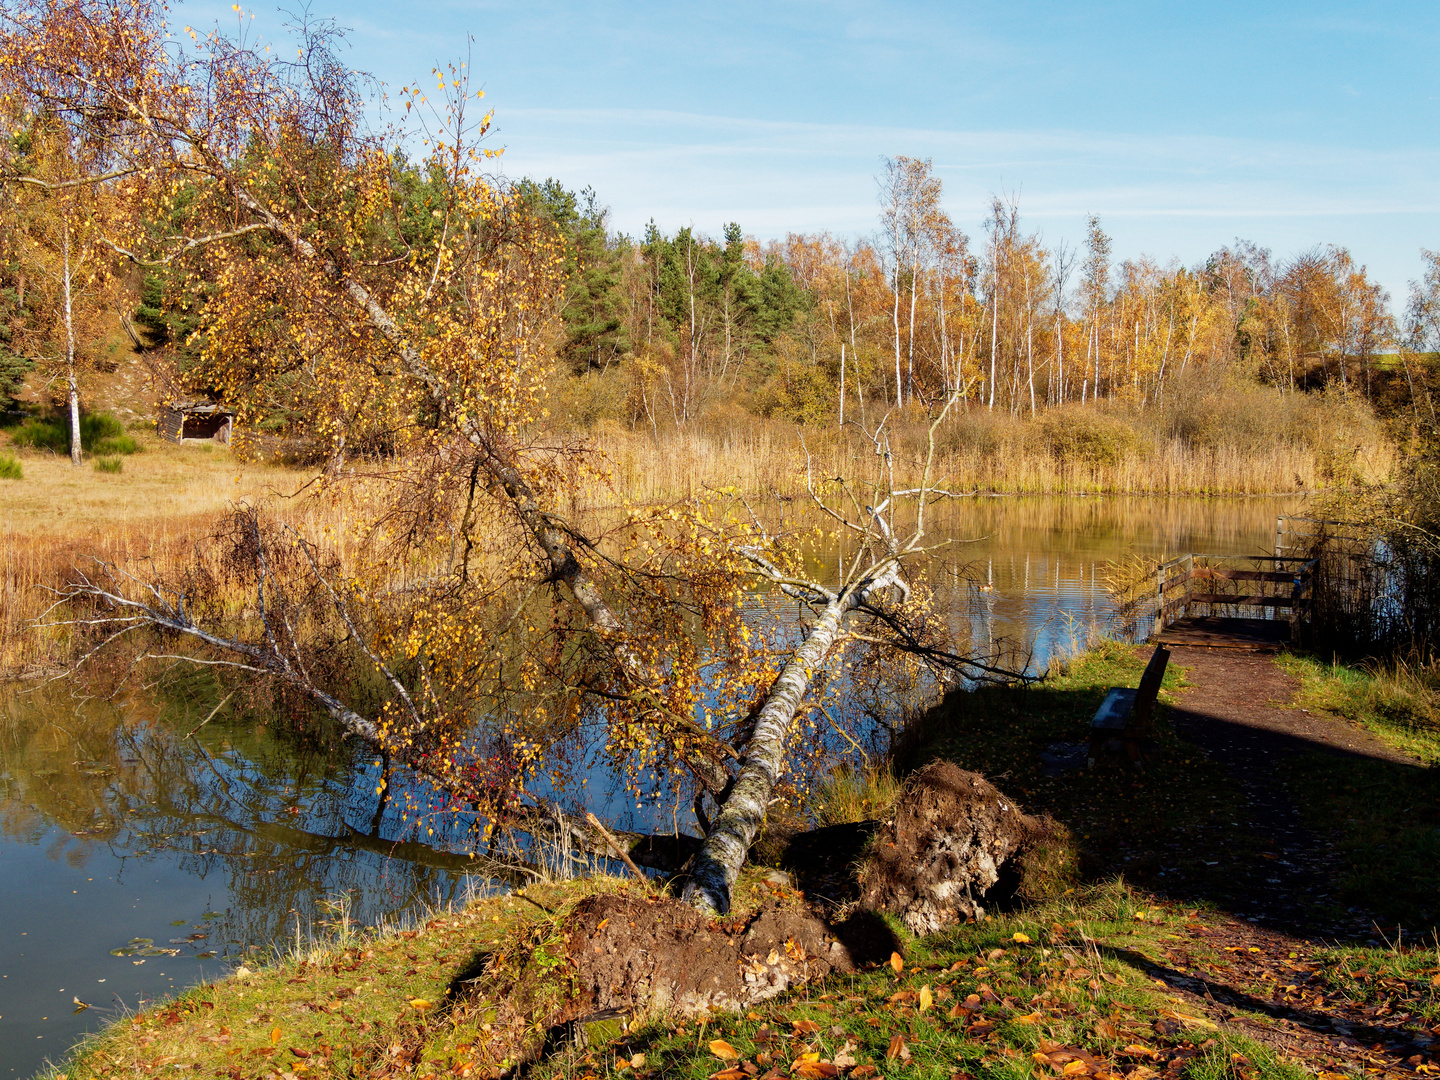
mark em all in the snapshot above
pixel 1125 714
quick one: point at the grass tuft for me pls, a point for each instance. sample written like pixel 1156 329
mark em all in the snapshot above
pixel 850 795
pixel 10 468
pixel 109 464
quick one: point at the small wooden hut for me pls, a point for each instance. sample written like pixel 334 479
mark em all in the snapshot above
pixel 195 421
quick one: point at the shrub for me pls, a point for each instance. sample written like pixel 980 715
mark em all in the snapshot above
pixel 100 433
pixel 42 435
pixel 1089 437
pixel 10 468
pixel 109 464
pixel 112 444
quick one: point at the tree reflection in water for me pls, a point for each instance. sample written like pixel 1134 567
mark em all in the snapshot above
pixel 284 823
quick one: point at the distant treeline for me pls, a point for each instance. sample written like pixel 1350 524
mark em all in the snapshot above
pixel 922 310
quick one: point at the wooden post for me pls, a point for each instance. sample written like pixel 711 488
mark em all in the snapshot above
pixel 1189 579
pixel 1159 601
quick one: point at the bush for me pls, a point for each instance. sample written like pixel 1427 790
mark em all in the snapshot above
pixel 1088 437
pixel 10 468
pixel 113 444
pixel 109 464
pixel 100 433
pixel 42 435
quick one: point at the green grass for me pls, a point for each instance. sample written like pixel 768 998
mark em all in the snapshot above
pixel 1401 704
pixel 10 469
pixel 1384 818
pixel 100 433
pixel 109 464
pixel 983 999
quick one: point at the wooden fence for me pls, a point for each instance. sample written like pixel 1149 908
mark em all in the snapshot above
pixel 1232 586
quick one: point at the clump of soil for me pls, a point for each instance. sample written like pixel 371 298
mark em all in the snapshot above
pixel 625 955
pixel 953 841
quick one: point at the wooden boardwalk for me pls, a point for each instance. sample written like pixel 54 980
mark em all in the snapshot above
pixel 1229 601
pixel 1219 632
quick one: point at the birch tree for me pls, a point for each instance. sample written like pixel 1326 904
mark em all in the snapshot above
pixel 472 596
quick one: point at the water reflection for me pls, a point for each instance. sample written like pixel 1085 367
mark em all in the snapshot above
pixel 1027 574
pixel 137 845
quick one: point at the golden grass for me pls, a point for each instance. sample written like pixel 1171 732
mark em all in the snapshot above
pixel 58 517
pixel 763 457
pixel 168 496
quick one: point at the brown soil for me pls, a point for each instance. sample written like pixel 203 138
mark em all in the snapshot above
pixel 945 846
pixel 620 955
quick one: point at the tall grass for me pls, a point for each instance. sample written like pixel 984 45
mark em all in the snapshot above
pixel 1249 444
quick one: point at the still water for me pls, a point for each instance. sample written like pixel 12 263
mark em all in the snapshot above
pixel 144 848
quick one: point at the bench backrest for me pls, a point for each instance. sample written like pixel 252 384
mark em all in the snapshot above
pixel 1150 687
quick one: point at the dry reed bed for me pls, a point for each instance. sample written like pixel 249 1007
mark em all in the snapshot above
pixel 767 459
pixel 60 518
pixel 169 497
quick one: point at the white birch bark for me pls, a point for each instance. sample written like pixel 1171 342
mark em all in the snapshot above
pixel 72 383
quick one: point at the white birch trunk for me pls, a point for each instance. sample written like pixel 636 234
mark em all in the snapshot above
pixel 712 878
pixel 72 383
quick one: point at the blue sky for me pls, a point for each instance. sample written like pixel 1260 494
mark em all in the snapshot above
pixel 1183 125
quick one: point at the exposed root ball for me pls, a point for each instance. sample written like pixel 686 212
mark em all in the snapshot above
pixel 664 957
pixel 948 843
pixel 620 955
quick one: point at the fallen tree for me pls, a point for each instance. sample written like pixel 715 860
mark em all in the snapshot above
pixel 473 599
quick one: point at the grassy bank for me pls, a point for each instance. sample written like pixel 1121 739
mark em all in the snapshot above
pixel 1008 997
pixel 1398 702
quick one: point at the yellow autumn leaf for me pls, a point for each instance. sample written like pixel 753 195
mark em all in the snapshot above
pixel 724 1051
pixel 1020 939
pixel 420 1004
pixel 1032 1018
pixel 275 1035
pixel 926 1000
pixel 897 962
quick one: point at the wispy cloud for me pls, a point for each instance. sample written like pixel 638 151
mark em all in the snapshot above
pixel 1163 193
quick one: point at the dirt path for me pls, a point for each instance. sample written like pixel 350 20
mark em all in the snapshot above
pixel 1262 959
pixel 1237 712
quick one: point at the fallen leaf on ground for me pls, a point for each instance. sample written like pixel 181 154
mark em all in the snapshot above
pixel 815 1070
pixel 898 1050
pixel 724 1051
pixel 897 962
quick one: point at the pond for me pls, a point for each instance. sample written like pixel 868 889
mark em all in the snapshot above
pixel 146 845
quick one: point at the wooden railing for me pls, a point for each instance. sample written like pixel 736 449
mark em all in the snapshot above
pixel 1251 586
